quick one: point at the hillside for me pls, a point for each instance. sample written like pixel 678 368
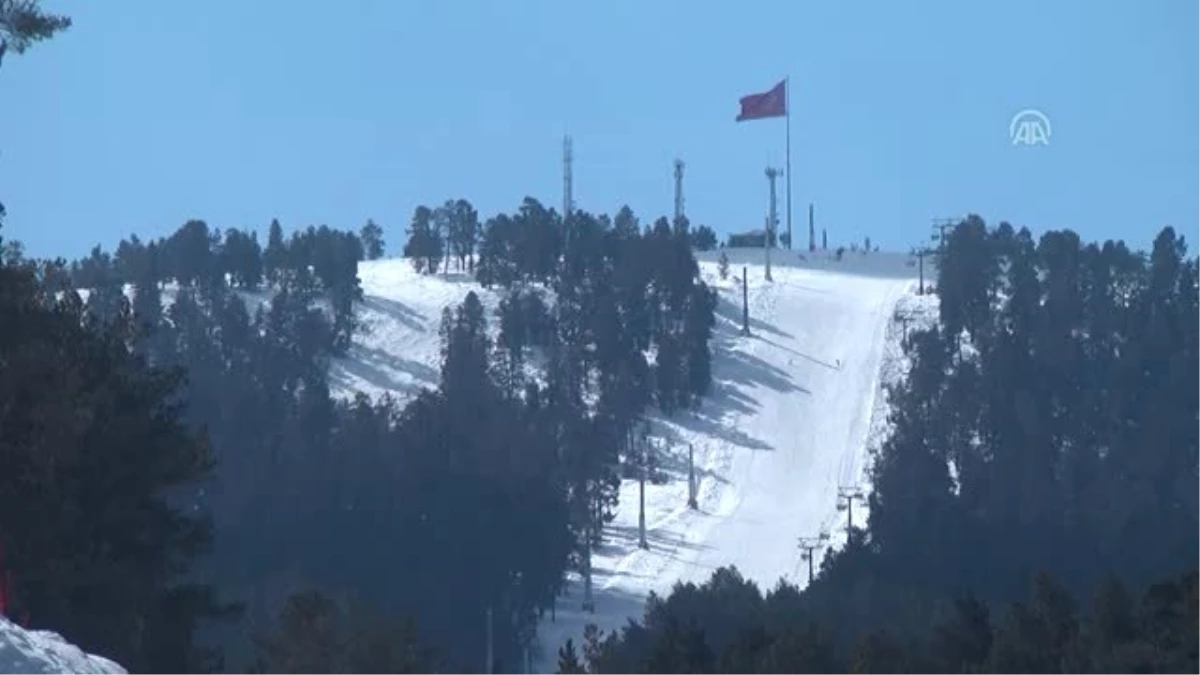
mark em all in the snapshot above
pixel 794 410
pixel 23 651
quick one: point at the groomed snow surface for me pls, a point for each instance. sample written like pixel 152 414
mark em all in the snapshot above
pixel 38 651
pixel 795 410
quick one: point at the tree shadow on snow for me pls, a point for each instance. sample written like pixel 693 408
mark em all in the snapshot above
pixel 455 277
pixel 702 424
pixel 622 540
pixel 407 316
pixel 742 368
pixel 732 313
pixel 674 462
pixel 732 399
pixel 377 367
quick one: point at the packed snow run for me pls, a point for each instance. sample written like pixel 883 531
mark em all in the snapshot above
pixel 795 409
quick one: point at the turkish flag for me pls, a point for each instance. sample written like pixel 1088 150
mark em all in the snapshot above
pixel 772 103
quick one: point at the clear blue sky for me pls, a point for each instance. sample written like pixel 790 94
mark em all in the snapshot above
pixel 149 112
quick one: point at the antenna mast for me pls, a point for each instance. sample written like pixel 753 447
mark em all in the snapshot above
pixel 568 200
pixel 678 190
pixel 772 219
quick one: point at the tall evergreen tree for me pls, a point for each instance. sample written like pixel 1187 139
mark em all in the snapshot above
pixel 275 255
pixel 424 247
pixel 372 239
pixel 94 513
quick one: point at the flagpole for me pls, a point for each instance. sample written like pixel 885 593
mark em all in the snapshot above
pixel 787 169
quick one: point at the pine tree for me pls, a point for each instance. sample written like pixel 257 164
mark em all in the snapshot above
pixel 87 391
pixel 23 24
pixel 464 232
pixel 372 239
pixel 147 299
pixel 424 247
pixel 704 238
pixel 962 642
pixel 129 259
pixel 568 659
pixel 192 246
pixel 698 327
pixel 275 255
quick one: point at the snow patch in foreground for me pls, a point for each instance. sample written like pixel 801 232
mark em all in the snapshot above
pixel 40 651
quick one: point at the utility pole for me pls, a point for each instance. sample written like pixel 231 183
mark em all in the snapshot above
pixel 692 503
pixel 644 446
pixel 808 545
pixel 921 271
pixel 745 304
pixel 678 190
pixel 847 495
pixel 812 233
pixel 568 185
pixel 772 218
pixel 940 225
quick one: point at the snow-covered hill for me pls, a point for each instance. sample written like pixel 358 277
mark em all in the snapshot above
pixel 795 409
pixel 23 651
pixel 397 349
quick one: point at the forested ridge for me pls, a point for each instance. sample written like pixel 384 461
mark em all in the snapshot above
pixel 1045 426
pixel 479 494
pixel 1034 508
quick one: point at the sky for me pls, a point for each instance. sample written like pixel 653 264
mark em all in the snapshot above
pixel 146 114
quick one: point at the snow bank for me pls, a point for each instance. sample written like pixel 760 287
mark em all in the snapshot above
pixel 40 651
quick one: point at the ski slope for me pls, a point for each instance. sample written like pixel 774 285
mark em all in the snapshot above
pixel 796 407
pixel 795 410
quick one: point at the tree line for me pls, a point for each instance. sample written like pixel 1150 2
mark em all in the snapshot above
pixel 1049 419
pixel 475 497
pixel 1045 436
pixel 727 625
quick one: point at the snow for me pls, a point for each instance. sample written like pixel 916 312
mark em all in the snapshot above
pixel 796 410
pixel 23 651
pixel 397 349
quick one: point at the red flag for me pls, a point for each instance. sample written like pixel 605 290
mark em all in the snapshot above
pixel 768 104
